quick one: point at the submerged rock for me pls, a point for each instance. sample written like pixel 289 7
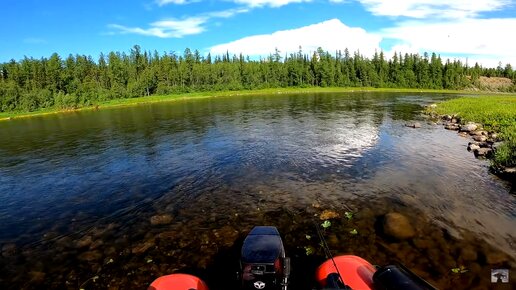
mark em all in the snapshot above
pixel 496 258
pixel 328 214
pixel 90 256
pixel 468 254
pixel 37 277
pixel 142 247
pixel 8 250
pixel 85 241
pixel 162 219
pixel 398 226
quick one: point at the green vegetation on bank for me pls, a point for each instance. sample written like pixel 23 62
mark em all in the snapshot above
pixel 81 81
pixel 184 96
pixel 496 113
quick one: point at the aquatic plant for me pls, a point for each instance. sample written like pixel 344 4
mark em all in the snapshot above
pixel 353 232
pixel 348 215
pixel 459 270
pixel 326 224
pixel 309 250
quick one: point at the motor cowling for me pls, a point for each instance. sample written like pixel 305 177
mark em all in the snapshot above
pixel 263 264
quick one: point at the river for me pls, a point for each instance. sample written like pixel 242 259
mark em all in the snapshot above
pixel 117 197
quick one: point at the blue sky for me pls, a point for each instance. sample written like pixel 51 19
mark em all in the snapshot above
pixel 479 30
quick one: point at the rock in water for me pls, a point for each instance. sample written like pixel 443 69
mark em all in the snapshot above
pixel 413 125
pixel 8 250
pixel 468 127
pixel 398 226
pixel 328 214
pixel 451 127
pixel 473 147
pixel 162 219
pixel 90 256
pixel 482 152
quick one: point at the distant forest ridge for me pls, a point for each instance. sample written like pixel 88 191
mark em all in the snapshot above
pixel 79 80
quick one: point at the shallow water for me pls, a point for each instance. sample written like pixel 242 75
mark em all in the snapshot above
pixel 78 191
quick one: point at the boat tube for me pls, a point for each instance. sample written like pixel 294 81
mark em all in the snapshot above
pixel 178 282
pixel 352 272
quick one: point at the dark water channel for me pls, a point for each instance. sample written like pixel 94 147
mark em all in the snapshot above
pixel 112 199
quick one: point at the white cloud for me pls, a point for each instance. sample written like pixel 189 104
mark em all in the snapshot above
pixel 331 35
pixel 485 40
pixel 171 28
pixel 434 8
pixel 177 2
pixel 271 3
pixel 227 13
pixel 177 28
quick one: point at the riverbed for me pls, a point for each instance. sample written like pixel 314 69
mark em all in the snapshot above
pixel 117 197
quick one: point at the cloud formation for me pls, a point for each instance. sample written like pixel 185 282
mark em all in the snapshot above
pixel 433 8
pixel 270 3
pixel 178 28
pixel 177 2
pixel 331 35
pixel 486 39
pixel 171 28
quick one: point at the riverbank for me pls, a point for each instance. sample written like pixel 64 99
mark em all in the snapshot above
pixel 497 115
pixel 175 97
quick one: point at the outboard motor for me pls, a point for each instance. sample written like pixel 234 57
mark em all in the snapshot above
pixel 263 264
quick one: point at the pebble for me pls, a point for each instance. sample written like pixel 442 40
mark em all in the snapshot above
pixel 90 256
pixel 162 219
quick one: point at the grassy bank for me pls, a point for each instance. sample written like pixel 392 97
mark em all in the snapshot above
pixel 175 97
pixel 496 113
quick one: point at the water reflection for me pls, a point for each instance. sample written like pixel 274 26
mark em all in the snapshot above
pixel 81 189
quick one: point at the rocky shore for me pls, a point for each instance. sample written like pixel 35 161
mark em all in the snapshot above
pixel 483 143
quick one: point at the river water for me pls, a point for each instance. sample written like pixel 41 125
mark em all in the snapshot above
pixel 112 199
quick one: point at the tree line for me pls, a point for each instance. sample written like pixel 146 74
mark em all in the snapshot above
pixel 80 80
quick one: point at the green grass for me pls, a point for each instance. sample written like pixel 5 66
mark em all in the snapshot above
pixel 496 113
pixel 175 97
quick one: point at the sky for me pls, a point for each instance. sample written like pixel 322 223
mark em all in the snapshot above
pixel 482 31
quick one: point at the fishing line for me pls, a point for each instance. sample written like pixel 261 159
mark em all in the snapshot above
pixel 327 251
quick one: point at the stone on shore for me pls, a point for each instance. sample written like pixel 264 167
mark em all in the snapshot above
pixel 468 127
pixel 483 152
pixel 454 127
pixel 473 147
pixel 480 138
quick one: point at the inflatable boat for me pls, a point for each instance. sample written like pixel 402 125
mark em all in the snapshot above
pixel 264 266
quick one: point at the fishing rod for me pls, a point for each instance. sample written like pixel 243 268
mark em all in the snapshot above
pixel 328 255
